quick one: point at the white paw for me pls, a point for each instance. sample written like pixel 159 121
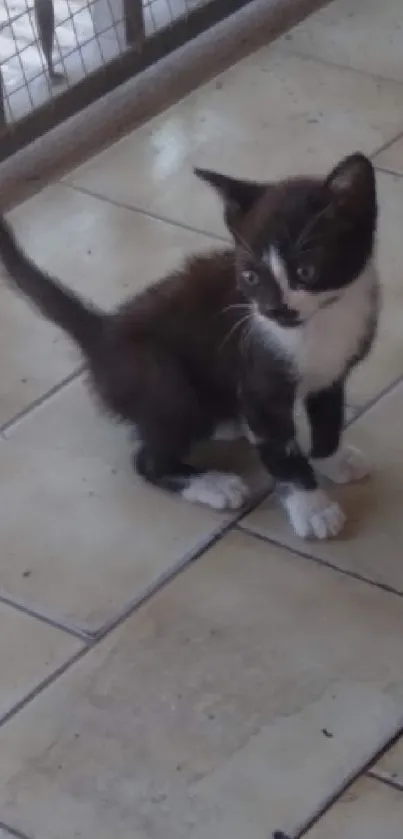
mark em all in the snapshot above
pixel 344 467
pixel 219 490
pixel 313 515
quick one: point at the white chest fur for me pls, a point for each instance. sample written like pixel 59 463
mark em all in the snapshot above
pixel 321 349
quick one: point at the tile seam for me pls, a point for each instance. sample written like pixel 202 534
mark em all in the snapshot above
pixel 91 642
pixel 123 205
pixel 42 399
pixel 324 563
pixel 13 831
pixel 43 617
pixel 387 171
pixel 289 50
pixel 350 781
pixel 382 779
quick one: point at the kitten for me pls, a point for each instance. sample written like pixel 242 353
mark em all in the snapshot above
pixel 241 336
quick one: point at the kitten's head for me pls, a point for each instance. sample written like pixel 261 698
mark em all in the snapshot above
pixel 300 242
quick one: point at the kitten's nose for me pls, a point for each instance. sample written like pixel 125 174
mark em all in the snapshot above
pixel 284 316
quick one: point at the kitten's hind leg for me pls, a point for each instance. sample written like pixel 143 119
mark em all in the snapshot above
pixel 173 417
pixel 218 490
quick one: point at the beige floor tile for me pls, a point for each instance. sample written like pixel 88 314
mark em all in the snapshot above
pixel 385 364
pixel 104 252
pixel 29 652
pixel 390 766
pixel 363 34
pixel 209 712
pixel 371 543
pixel 270 115
pixel 392 157
pixel 73 422
pixel 368 810
pixel 34 356
pixel 94 537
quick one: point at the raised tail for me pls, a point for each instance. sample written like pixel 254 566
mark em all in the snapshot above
pixel 57 303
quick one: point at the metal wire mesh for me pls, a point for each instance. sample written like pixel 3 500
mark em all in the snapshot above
pixel 46 45
pixel 58 55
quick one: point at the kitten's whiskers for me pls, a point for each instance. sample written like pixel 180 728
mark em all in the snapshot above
pixel 237 325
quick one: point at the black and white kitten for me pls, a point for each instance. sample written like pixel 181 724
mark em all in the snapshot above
pixel 241 336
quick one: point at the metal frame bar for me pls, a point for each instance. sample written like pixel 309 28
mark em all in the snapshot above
pixel 134 23
pixel 118 70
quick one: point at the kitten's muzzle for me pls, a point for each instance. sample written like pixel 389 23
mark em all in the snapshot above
pixel 284 316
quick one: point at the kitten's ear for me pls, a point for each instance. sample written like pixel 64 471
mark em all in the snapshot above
pixel 352 182
pixel 238 196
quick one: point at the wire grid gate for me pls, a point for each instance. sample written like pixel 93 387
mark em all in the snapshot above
pixel 57 56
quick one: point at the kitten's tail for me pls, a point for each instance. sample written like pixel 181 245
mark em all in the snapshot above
pixel 57 303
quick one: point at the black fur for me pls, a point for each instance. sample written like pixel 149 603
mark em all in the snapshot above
pixel 181 356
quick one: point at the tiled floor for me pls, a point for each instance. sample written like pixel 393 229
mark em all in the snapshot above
pixel 167 672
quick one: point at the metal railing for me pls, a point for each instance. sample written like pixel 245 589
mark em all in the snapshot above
pixel 57 56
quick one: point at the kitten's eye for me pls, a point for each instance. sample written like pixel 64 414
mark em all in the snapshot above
pixel 250 278
pixel 306 273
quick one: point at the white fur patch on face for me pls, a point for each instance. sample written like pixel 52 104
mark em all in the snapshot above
pixel 321 348
pixel 344 467
pixel 300 300
pixel 278 267
pixel 219 490
pixel 312 514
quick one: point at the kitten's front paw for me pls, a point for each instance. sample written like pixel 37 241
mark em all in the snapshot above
pixel 313 515
pixel 344 467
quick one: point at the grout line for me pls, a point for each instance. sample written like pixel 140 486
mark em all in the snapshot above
pixel 181 225
pixel 387 171
pixel 325 563
pixel 164 579
pixel 87 636
pixel 92 642
pixel 388 143
pixel 352 778
pixel 245 528
pixel 387 782
pixel 335 65
pixel 47 682
pixel 13 831
pixel 289 50
pixel 188 559
pixel 56 623
pixel 147 213
pixel 373 402
pixel 42 399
